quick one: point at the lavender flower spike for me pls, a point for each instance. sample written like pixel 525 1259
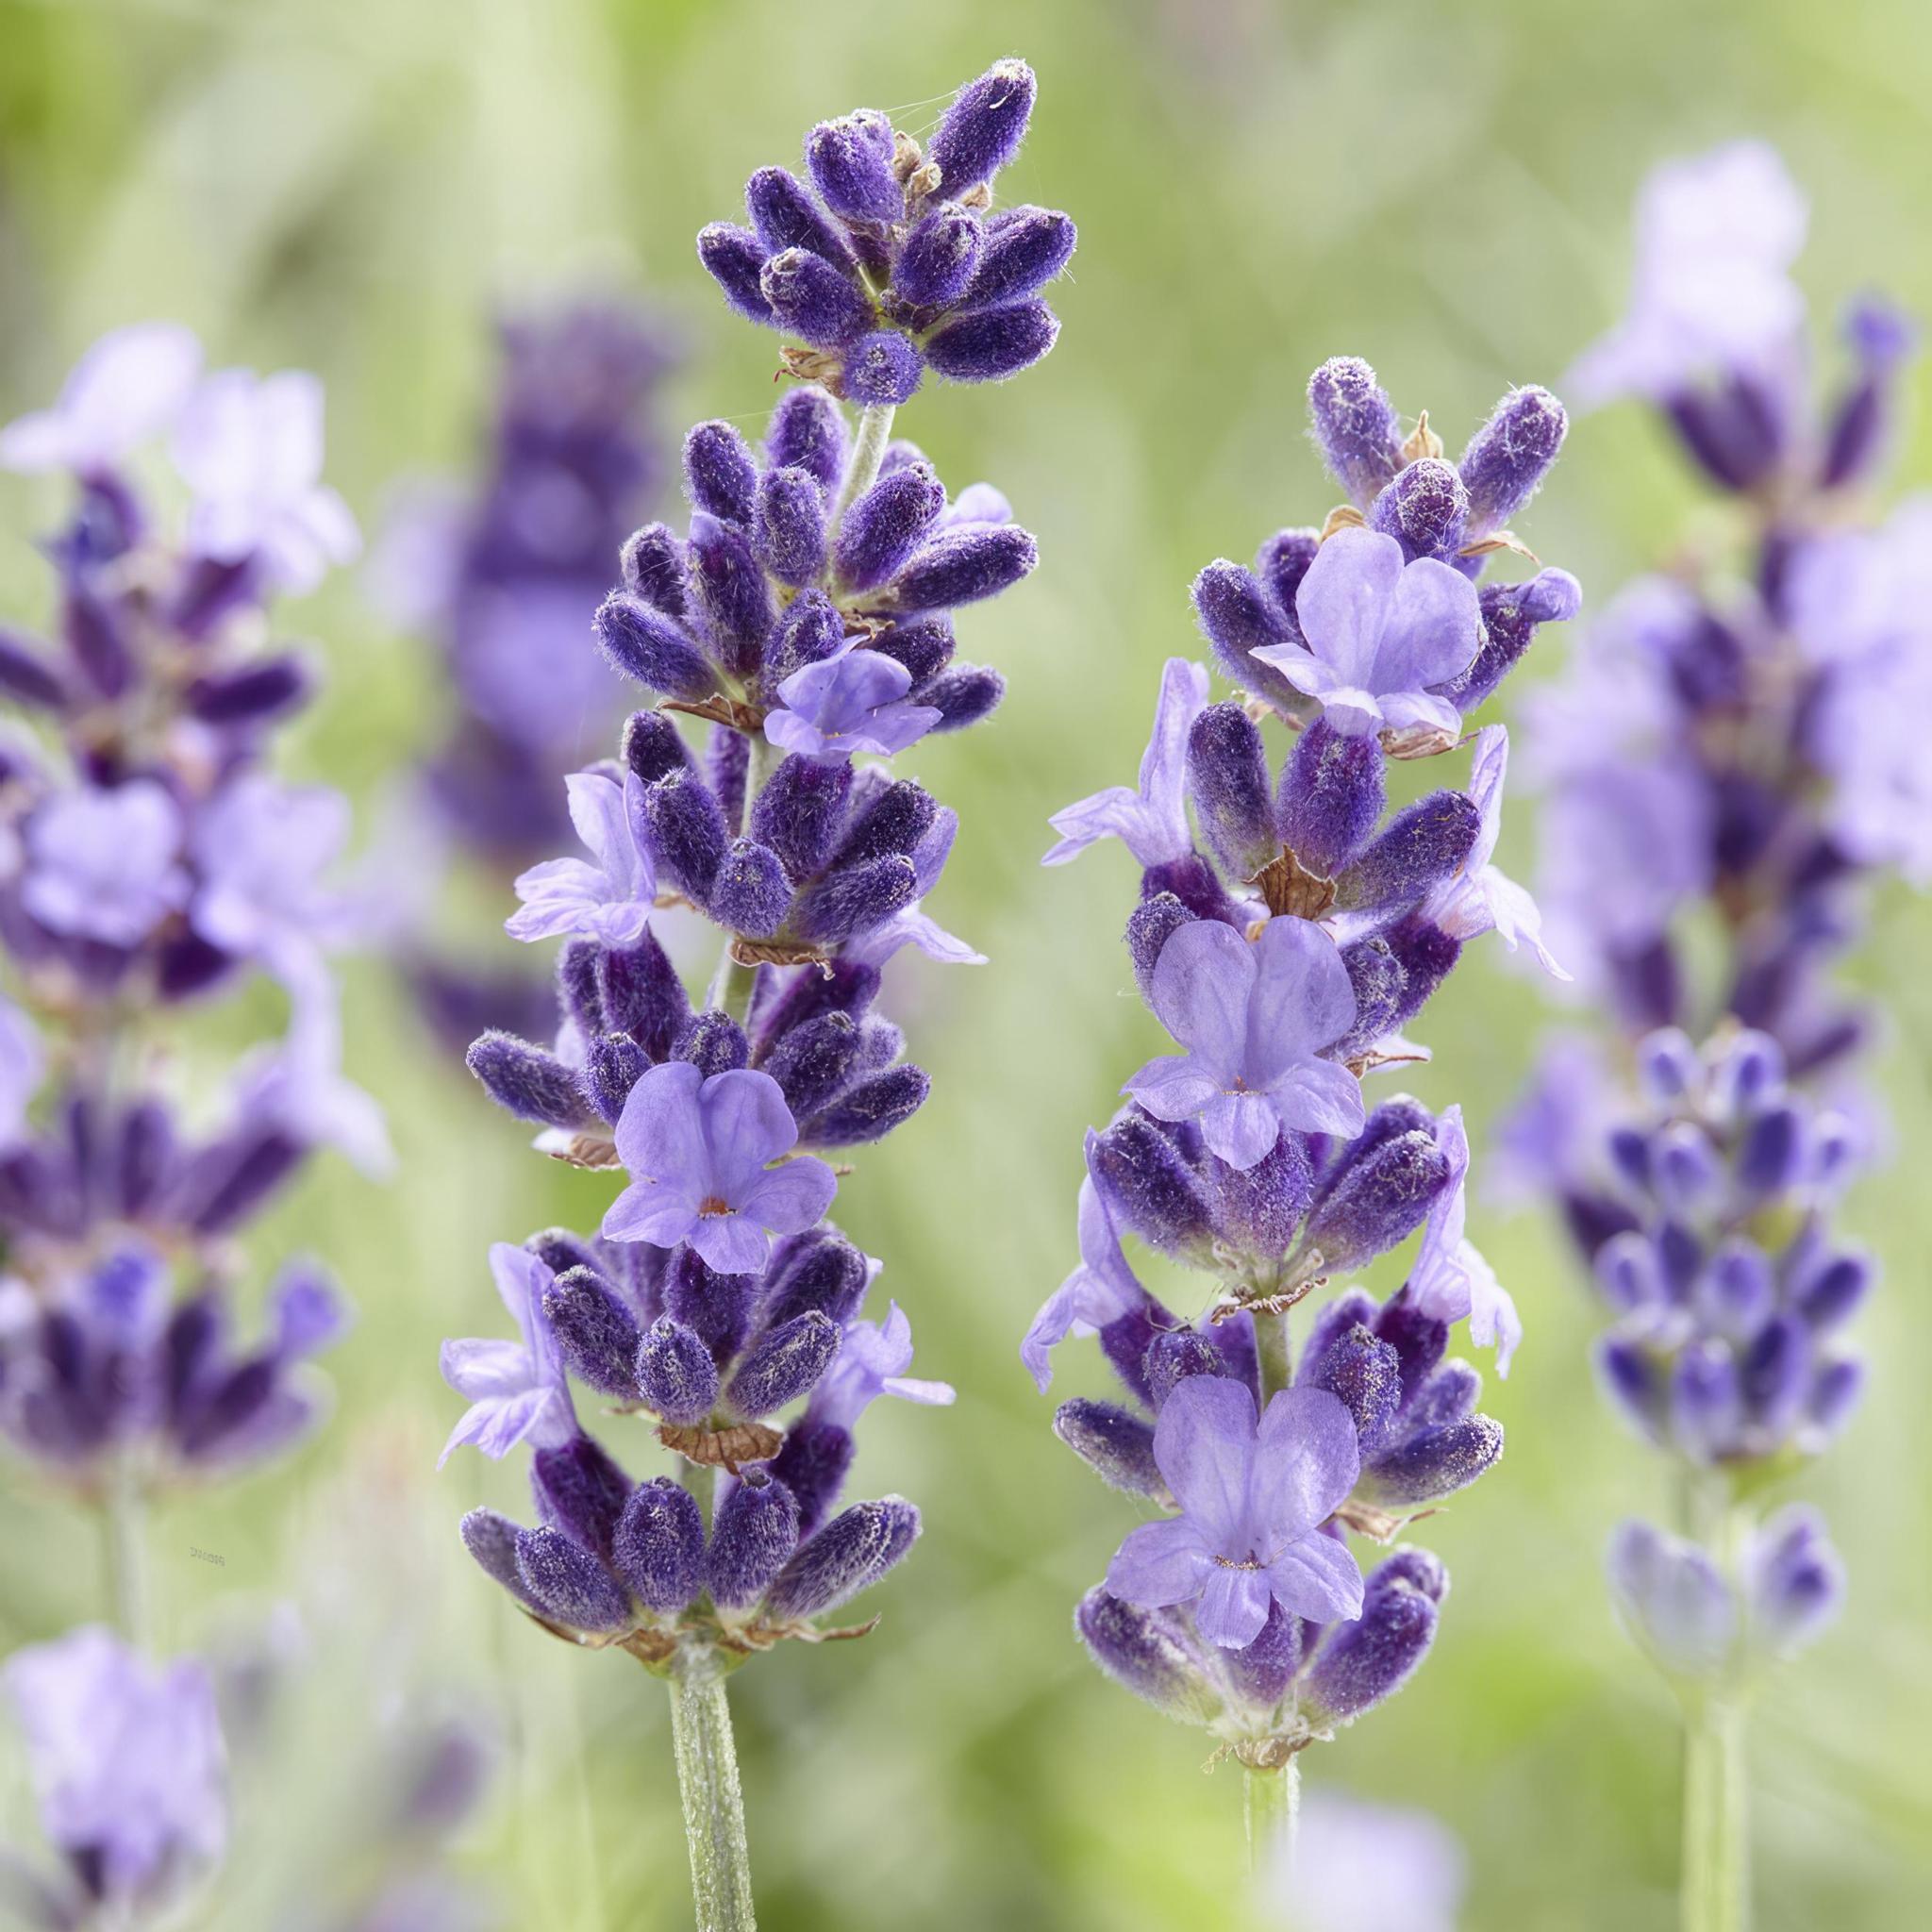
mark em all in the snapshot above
pixel 608 897
pixel 1380 633
pixel 698 1152
pixel 1253 1502
pixel 1151 822
pixel 1254 1018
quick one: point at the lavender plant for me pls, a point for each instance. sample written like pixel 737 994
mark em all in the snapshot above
pixel 504 578
pixel 1729 768
pixel 805 618
pixel 151 862
pixel 1285 935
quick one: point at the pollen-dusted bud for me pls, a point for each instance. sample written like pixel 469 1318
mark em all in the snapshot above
pixel 786 1363
pixel 868 1111
pixel 851 164
pixel 734 258
pixel 800 813
pixel 1150 925
pixel 964 695
pixel 580 1491
pixel 964 566
pixel 613 1064
pixel 529 1082
pixel 882 370
pixel 1146 1182
pixel 983 128
pixel 1433 1463
pixel 989 344
pixel 642 995
pixel 789 526
pixel 720 475
pixel 818 1270
pixel 1354 426
pixel 787 218
pixel 807 432
pixel 1228 781
pixel 1113 1441
pixel 754 1531
pixel 651 565
pixel 1361 1663
pixel 491 1538
pixel 1380 1200
pixel 1330 798
pixel 568 1584
pixel 659 1548
pixel 938 258
pixel 1025 246
pixel 1380 987
pixel 1422 846
pixel 1255 1210
pixel 1173 1356
pixel 751 894
pixel 813 300
pixel 886 525
pixel 643 643
pixel 1425 508
pixel 597 1334
pixel 689 835
pixel 1364 1373
pixel 675 1374
pixel 850 1554
pixel 1149 1652
pixel 731 593
pixel 1510 456
pixel 856 898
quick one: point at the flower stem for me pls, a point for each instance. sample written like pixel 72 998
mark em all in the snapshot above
pixel 123 1552
pixel 868 453
pixel 1272 1803
pixel 1274 1348
pixel 1716 1877
pixel 713 1804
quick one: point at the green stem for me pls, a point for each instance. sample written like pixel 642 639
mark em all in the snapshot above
pixel 123 1551
pixel 1716 1879
pixel 1272 1803
pixel 713 1804
pixel 1275 1346
pixel 868 453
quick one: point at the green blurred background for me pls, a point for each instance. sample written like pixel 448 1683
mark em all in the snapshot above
pixel 350 187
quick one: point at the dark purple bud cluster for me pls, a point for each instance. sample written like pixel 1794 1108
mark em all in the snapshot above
pixel 894 261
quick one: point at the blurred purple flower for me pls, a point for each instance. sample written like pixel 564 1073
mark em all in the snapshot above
pixel 1366 1868
pixel 697 1152
pixel 126 388
pixel 1252 1503
pixel 22 1063
pixel 517 1390
pixel 1253 1017
pixel 1674 1600
pixel 298 1084
pixel 609 900
pixel 106 865
pixel 1151 822
pixel 1380 632
pixel 851 702
pixel 259 847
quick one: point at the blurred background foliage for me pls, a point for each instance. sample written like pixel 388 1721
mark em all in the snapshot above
pixel 354 187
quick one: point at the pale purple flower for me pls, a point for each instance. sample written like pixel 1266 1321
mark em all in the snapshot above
pixel 1100 1290
pixel 1366 1868
pixel 517 1390
pixel 606 897
pixel 106 865
pixel 1481 897
pixel 1380 633
pixel 1252 1502
pixel 697 1152
pixel 1793 1581
pixel 126 1761
pixel 261 847
pixel 249 448
pixel 1551 1139
pixel 871 1362
pixel 853 701
pixel 1856 595
pixel 523 670
pixel 22 1063
pixel 1450 1279
pixel 1253 1017
pixel 909 926
pixel 1152 822
pixel 127 387
pixel 1867 733
pixel 1711 292
pixel 1673 1599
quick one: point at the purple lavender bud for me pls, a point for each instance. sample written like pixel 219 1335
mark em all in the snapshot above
pixel 1150 925
pixel 491 1540
pixel 1260 1674
pixel 1835 1393
pixel 787 218
pixel 713 1042
pixel 801 812
pixel 810 631
pixel 580 992
pixel 1707 1402
pixel 642 995
pixel 675 1374
pixel 716 1307
pixel 1330 798
pixel 1380 986
pixel 1228 781
pixel 1629 1272
pixel 1425 509
pixel 819 1270
pixel 938 258
pixel 559 1250
pixel 146 1159
pixel 1832 1295
pixel 642 642
pixel 25 677
pixel 1771 1158
pixel 687 833
pixel 813 1463
pixel 1856 435
pixel 1667 1065
pixel 596 1332
pixel 580 1491
pixel 734 258
pixel 660 1546
pixel 789 526
pixel 654 748
pixel 886 524
pixel 1365 1374
pixel 1673 1599
pixel 813 1061
pixel 568 1584
pixel 1116 1445
pixel 1510 615
pixel 982 130
pixel 807 432
pixel 1354 426
pixel 727 770
pixel 1361 1663
pixel 1510 456
pixel 527 1082
pixel 1147 1184
pixel 753 1533
pixel 1255 1210
pixel 1421 847
pixel 1735 433
pixel 1173 1357
pixel 1776 1375
pixel 1635 1384
pixel 845 987
pixel 869 1110
pixel 851 164
pixel 651 565
pixel 923 644
pixel 815 301
pixel 1735 1293
pixel 256 694
pixel 856 898
pixel 786 1363
pixel 96 636
pixel 1426 954
pixel 989 344
pixel 731 593
pixel 849 1554
pixel 1282 562
pixel 1025 248
pixel 882 370
pixel 894 820
pixel 720 475
pixel 613 1064
pixel 1237 616
pixel 751 894
pixel 964 695
pixel 1146 1652
pixel 1436 1462
pixel 965 565
pixel 1684 1170
pixel 1379 1201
